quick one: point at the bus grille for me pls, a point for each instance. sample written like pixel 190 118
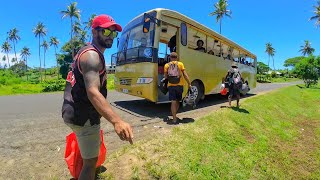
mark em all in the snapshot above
pixel 125 81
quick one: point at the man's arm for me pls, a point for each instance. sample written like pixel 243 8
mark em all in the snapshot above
pixel 186 77
pixel 91 65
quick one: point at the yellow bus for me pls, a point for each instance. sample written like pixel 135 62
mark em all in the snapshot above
pixel 143 51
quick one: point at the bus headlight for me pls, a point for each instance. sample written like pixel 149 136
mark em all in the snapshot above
pixel 147 52
pixel 144 80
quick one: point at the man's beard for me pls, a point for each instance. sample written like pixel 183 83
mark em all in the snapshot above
pixel 104 43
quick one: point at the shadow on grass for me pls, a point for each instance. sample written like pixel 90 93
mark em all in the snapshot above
pixel 237 109
pixel 304 87
pixel 240 110
pixel 180 121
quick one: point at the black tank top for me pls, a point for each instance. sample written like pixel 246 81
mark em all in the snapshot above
pixel 77 108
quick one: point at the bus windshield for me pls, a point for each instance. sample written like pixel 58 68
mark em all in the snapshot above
pixel 134 45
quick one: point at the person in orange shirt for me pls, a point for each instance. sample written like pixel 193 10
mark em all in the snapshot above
pixel 173 71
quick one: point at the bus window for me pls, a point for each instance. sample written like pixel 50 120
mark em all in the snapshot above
pixel 235 55
pixel 224 50
pixel 210 46
pixel 184 33
pixel 196 40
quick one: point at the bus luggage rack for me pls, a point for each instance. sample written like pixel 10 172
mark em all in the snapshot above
pixel 125 81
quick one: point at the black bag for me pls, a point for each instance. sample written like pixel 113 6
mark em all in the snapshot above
pixel 163 86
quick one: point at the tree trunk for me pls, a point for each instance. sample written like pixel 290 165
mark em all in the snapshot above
pixel 14 48
pixel 8 60
pixel 71 40
pixel 26 68
pixel 273 63
pixel 44 63
pixel 268 63
pixel 55 52
pixel 40 61
pixel 220 25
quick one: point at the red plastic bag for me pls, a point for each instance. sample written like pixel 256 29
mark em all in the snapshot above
pixel 224 91
pixel 73 157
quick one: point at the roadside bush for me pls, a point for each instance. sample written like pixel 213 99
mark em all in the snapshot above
pixel 53 85
pixel 8 78
pixel 308 69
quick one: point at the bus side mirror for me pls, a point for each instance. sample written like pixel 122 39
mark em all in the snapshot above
pixel 146 24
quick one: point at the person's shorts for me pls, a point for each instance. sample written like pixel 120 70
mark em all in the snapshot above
pixel 175 93
pixel 88 138
pixel 233 91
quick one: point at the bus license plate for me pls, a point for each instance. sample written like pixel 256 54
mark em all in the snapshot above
pixel 125 91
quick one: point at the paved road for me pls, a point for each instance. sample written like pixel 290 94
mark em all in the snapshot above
pixel 33 134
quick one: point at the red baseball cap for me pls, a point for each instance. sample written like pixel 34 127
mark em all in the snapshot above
pixel 105 21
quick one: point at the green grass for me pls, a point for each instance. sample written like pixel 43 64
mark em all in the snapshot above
pixel 110 81
pixel 272 136
pixel 284 79
pixel 23 88
pixel 15 85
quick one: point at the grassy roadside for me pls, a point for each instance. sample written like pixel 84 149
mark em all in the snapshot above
pixel 272 136
pixel 284 79
pixel 28 88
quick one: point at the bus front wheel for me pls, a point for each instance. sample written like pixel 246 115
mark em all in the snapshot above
pixel 198 90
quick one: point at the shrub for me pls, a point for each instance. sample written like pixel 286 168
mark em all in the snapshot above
pixel 53 85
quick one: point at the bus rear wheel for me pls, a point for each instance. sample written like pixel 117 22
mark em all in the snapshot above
pixel 198 91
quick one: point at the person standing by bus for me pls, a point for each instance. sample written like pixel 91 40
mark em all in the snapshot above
pixel 234 80
pixel 85 95
pixel 173 71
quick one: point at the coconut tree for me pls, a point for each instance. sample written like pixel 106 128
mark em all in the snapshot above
pixel 14 38
pixel 6 48
pixel 25 53
pixel 54 42
pixel 270 51
pixel 71 12
pixel 221 11
pixel 316 17
pixel 89 23
pixel 40 31
pixel 45 46
pixel 306 49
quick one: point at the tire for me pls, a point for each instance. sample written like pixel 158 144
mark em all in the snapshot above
pixel 198 90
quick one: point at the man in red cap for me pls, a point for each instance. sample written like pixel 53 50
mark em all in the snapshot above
pixel 85 95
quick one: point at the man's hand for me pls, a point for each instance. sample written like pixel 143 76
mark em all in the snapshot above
pixel 124 131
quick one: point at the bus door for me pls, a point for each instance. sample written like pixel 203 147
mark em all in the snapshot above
pixel 167 44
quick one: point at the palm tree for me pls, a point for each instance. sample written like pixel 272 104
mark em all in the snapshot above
pixel 270 51
pixel 40 31
pixel 4 61
pixel 317 14
pixel 220 11
pixel 89 23
pixel 25 53
pixel 6 48
pixel 77 29
pixel 45 46
pixel 54 42
pixel 306 49
pixel 13 60
pixel 71 11
pixel 14 38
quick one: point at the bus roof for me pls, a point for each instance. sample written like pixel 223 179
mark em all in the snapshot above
pixel 179 16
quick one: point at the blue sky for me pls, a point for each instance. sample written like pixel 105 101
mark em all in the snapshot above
pixel 283 23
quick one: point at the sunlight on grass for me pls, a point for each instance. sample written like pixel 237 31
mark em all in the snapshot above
pixel 275 139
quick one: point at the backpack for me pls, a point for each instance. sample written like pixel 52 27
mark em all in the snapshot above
pixel 173 73
pixel 235 79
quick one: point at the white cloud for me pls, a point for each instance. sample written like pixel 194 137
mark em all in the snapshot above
pixel 11 55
